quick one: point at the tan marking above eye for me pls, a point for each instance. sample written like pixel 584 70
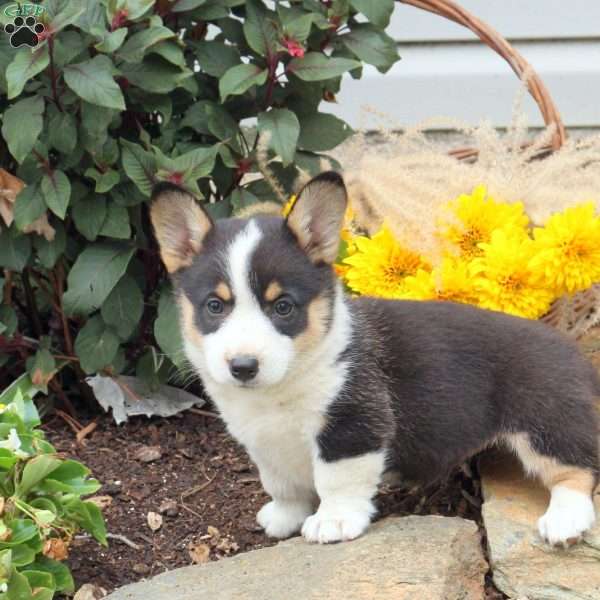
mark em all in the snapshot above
pixel 222 290
pixel 273 291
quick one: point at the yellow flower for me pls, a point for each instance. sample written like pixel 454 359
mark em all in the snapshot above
pixel 504 279
pixel 379 265
pixel 568 250
pixel 450 281
pixel 476 217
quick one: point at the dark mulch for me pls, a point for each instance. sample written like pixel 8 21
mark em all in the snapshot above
pixel 215 490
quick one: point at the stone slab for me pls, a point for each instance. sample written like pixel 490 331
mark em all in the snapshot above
pixel 523 566
pixel 401 558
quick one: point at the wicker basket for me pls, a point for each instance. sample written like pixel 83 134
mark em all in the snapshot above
pixel 576 314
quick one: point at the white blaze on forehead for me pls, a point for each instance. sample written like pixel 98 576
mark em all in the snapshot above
pixel 239 256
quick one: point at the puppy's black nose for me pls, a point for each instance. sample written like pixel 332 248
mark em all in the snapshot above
pixel 243 368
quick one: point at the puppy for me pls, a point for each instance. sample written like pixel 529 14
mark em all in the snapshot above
pixel 326 393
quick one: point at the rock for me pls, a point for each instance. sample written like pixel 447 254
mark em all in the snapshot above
pixel 154 521
pixel 522 564
pixel 89 591
pixel 148 453
pixel 401 558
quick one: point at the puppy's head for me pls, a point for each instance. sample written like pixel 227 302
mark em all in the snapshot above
pixel 255 296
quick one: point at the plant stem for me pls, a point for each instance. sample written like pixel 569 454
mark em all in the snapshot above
pixel 53 74
pixel 32 310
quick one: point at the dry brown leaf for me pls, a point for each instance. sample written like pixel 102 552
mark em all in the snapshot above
pixel 154 520
pixel 101 502
pixel 227 546
pixel 10 186
pixel 148 453
pixel 41 227
pixel 1 505
pixel 199 553
pixel 89 591
pixel 213 532
pixel 56 549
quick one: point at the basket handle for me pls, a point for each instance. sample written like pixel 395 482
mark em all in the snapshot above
pixel 454 12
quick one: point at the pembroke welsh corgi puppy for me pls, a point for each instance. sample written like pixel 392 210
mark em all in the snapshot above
pixel 327 392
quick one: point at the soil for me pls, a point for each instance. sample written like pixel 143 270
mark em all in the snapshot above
pixel 212 491
pixel 208 492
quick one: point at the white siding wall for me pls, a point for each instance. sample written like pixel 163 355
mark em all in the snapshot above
pixel 445 70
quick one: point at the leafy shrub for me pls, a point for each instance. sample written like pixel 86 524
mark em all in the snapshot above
pixel 120 94
pixel 41 506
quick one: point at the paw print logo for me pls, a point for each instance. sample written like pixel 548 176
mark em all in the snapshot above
pixel 24 32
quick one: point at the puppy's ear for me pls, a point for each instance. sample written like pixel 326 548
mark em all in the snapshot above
pixel 180 225
pixel 317 216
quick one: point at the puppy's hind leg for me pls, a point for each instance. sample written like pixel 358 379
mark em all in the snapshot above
pixel 571 509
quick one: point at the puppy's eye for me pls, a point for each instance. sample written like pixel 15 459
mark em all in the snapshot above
pixel 215 306
pixel 284 307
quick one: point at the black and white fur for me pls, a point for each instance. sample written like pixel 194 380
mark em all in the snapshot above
pixel 330 395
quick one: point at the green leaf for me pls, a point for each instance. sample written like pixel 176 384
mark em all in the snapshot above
pixel 15 249
pixel 95 121
pixel 112 41
pixel 379 12
pixel 71 478
pixel 29 206
pixel 41 367
pixel 241 198
pixel 215 58
pixel 183 5
pixel 104 181
pixel 171 51
pixel 239 79
pixel 18 587
pixel 93 81
pixel 320 131
pixel 35 470
pixel 124 307
pixel 96 345
pixel 20 392
pixel 22 555
pixel 67 16
pixel 89 517
pixel 39 579
pixel 116 224
pixel 315 66
pixel 56 189
pixel 25 65
pixel 62 576
pixel 372 46
pixel 22 531
pixel 283 127
pixel 62 131
pixel 48 252
pixel 167 334
pixel 94 275
pixel 139 165
pixel 196 163
pixel 67 47
pixel 139 43
pixel 260 28
pixel 7 459
pixel 22 125
pixel 89 215
pixel 137 8
pixel 154 74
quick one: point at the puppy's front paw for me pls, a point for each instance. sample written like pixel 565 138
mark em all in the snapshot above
pixel 282 519
pixel 329 525
pixel 569 515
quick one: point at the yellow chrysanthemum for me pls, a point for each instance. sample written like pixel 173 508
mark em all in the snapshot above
pixel 476 217
pixel 567 254
pixel 450 281
pixel 504 279
pixel 380 265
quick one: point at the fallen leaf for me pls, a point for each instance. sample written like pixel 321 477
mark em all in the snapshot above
pixel 56 549
pixel 227 545
pixel 166 401
pixel 169 508
pixel 148 453
pixel 199 553
pixel 213 532
pixel 1 505
pixel 101 502
pixel 155 521
pixel 41 227
pixel 89 591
